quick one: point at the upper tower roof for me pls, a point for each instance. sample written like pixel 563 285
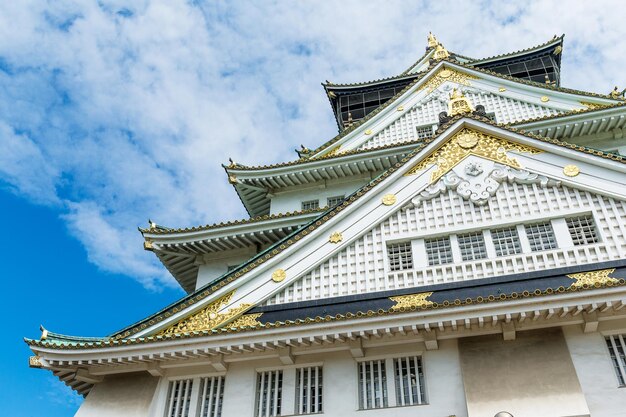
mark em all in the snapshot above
pixel 353 101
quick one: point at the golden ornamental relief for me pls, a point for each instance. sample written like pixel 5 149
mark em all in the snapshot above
pixel 470 142
pixel 443 75
pixel 279 275
pixel 389 199
pixel 208 318
pixel 593 278
pixel 34 362
pixel 247 320
pixel 411 300
pixel 545 99
pixel 335 237
pixel 571 170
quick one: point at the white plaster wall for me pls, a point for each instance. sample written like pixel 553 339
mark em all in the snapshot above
pixel 120 395
pixel 217 264
pixel 595 372
pixel 444 385
pixel 292 200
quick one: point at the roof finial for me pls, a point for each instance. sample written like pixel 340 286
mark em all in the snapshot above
pixel 152 224
pixel 616 93
pixel 441 52
pixel 459 104
pixel 232 164
pixel 432 41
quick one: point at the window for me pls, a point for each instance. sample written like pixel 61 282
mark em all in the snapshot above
pixel 211 396
pixel 438 251
pixel 506 241
pixel 541 236
pixel 309 390
pixel 400 256
pixel 372 385
pixel 424 132
pixel 310 205
pixel 582 229
pixel 409 381
pixel 617 350
pixel 207 402
pixel 269 389
pixel 179 398
pixel 472 246
pixel 333 201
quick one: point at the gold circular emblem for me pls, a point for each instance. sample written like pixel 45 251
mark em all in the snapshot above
pixel 400 108
pixel 279 275
pixel 571 170
pixel 368 132
pixel 544 99
pixel 212 316
pixel 502 89
pixel 445 73
pixel 389 199
pixel 467 140
pixel 335 237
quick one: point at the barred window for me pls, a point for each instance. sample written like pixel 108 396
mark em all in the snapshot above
pixel 617 350
pixel 582 229
pixel 400 256
pixel 472 246
pixel 309 390
pixel 372 385
pixel 211 396
pixel 438 251
pixel 409 381
pixel 333 201
pixel 310 205
pixel 540 236
pixel 269 389
pixel 179 398
pixel 506 241
pixel 424 132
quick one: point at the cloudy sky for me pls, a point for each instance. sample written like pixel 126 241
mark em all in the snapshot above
pixel 113 112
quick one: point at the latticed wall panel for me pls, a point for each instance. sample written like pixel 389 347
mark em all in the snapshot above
pixel 404 129
pixel 360 268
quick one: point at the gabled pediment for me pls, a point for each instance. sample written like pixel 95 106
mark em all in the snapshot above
pixel 523 161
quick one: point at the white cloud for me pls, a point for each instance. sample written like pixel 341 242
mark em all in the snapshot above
pixel 122 111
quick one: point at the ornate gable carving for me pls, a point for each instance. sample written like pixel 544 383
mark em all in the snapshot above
pixel 446 74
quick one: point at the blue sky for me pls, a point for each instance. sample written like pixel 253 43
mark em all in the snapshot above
pixel 113 112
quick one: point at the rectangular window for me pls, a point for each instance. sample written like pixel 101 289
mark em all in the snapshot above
pixel 310 205
pixel 372 385
pixel 178 398
pixel 400 256
pixel 211 396
pixel 472 246
pixel 424 132
pixel 582 229
pixel 438 251
pixel 409 381
pixel 506 241
pixel 541 236
pixel 309 390
pixel 269 389
pixel 333 201
pixel 617 350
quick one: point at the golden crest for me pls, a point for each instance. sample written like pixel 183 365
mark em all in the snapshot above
pixel 400 108
pixel 593 278
pixel 34 362
pixel 368 132
pixel 411 300
pixel 571 170
pixel 446 74
pixel 279 275
pixel 467 140
pixel 335 237
pixel 544 99
pixel 502 89
pixel 389 199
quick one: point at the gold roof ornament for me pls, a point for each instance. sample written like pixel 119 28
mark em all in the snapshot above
pixel 432 40
pixel 441 52
pixel 459 104
pixel 616 93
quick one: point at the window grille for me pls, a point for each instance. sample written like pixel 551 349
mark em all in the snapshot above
pixel 372 385
pixel 310 205
pixel 506 241
pixel 269 391
pixel 541 236
pixel 309 390
pixel 472 246
pixel 400 256
pixel 617 349
pixel 438 251
pixel 424 132
pixel 582 229
pixel 178 398
pixel 333 201
pixel 211 396
pixel 409 381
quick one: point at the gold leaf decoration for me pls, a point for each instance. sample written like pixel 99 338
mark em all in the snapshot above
pixel 389 199
pixel 593 106
pixel 34 362
pixel 279 275
pixel 335 237
pixel 443 75
pixel 470 142
pixel 593 278
pixel 411 300
pixel 208 318
pixel 247 320
pixel 571 170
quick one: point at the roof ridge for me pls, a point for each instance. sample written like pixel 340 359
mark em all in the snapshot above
pixel 542 45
